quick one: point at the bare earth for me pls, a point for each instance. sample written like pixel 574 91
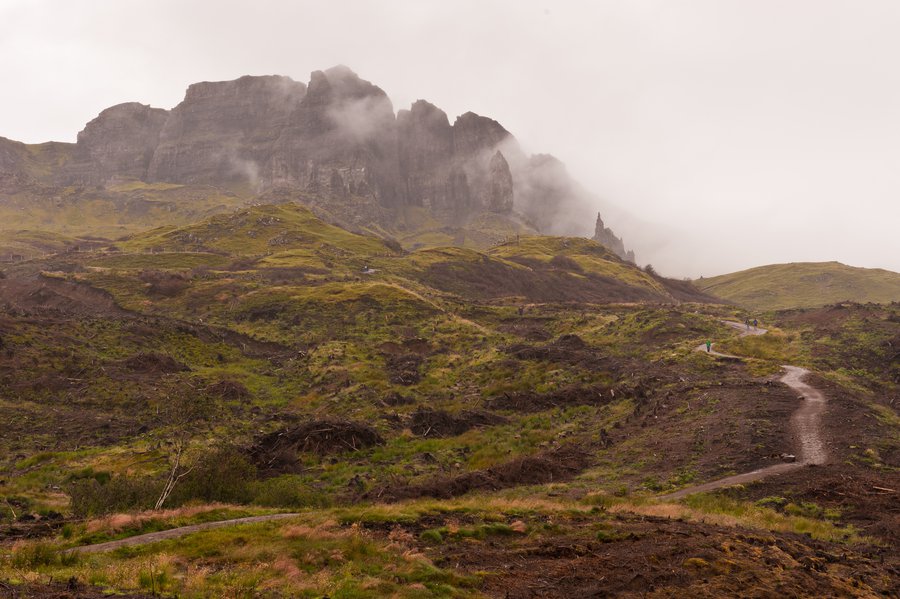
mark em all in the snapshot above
pixel 805 421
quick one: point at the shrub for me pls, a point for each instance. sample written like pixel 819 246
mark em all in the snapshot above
pixel 91 497
pixel 224 475
pixel 40 554
pixel 165 284
pixel 287 491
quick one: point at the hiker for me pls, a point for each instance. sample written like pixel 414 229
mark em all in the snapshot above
pixel 747 322
pixel 708 346
pixel 755 322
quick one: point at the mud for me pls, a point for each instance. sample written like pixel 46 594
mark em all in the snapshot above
pixel 154 363
pixel 866 499
pixel 38 293
pixel 568 349
pixel 228 390
pixel 625 555
pixel 551 466
pixel 426 422
pixel 528 402
pixel 277 452
pixel 404 369
pixel 73 589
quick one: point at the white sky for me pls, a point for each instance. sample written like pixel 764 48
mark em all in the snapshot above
pixel 720 134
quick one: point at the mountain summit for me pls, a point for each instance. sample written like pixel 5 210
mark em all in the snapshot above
pixel 335 142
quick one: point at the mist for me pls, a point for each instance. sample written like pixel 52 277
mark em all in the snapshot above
pixel 716 135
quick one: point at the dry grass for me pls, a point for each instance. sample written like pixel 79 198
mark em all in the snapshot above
pixel 117 522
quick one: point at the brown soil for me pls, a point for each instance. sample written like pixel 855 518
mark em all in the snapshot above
pixel 228 390
pixel 490 279
pixel 276 452
pixel 403 369
pixel 712 429
pixel 29 427
pixel 395 399
pixel 30 527
pixel 73 589
pixel 438 423
pixel 551 466
pixel 568 396
pixel 641 556
pixel 530 328
pixel 867 499
pixel 152 363
pixel 851 427
pixel 39 293
pixel 413 345
pixel 559 281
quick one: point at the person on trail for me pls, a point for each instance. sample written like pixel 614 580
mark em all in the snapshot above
pixel 747 322
pixel 708 346
pixel 755 322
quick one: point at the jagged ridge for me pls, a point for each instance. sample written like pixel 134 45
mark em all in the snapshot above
pixel 336 138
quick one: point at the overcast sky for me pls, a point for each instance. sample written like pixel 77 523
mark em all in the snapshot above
pixel 718 134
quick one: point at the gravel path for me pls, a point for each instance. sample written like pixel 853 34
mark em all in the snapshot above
pixel 174 533
pixel 805 421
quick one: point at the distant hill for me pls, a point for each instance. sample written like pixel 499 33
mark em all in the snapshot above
pixel 803 285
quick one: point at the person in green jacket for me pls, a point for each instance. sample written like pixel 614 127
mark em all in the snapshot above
pixel 708 346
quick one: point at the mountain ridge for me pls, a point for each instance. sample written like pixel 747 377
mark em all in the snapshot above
pixel 337 138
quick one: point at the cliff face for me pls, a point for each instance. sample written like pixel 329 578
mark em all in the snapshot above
pixel 223 131
pixel 335 139
pixel 120 142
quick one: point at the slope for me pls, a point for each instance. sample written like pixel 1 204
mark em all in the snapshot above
pixel 803 285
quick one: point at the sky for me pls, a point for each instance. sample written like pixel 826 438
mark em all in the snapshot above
pixel 717 135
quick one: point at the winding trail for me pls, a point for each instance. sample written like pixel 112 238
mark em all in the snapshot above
pixel 805 422
pixel 173 533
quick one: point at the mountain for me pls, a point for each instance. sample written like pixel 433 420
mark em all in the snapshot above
pixel 335 144
pixel 804 285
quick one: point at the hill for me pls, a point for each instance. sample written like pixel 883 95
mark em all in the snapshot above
pixel 441 422
pixel 803 285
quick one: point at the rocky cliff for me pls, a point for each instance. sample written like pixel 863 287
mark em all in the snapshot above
pixel 336 139
pixel 605 236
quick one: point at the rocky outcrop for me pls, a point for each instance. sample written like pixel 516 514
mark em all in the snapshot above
pixel 453 170
pixel 335 142
pixel 223 131
pixel 500 185
pixel 605 236
pixel 344 126
pixel 119 143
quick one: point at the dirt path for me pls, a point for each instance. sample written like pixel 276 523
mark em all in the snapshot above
pixel 805 422
pixel 174 533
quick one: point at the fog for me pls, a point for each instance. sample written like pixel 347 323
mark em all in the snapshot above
pixel 717 135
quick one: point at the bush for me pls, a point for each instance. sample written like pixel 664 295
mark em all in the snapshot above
pixel 39 554
pixel 90 497
pixel 223 475
pixel 287 491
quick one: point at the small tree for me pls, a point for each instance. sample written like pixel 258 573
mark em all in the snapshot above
pixel 183 416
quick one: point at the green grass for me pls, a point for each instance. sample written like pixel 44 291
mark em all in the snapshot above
pixel 803 285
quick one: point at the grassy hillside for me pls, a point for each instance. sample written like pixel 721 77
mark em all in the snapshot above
pixel 446 422
pixel 803 285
